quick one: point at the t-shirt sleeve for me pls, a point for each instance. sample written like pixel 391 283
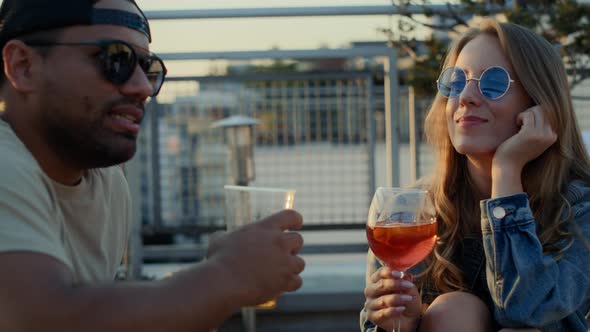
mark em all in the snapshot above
pixel 28 213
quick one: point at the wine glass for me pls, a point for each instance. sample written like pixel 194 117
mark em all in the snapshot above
pixel 401 228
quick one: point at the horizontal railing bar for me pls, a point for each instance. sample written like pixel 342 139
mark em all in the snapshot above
pixel 275 76
pixel 196 252
pixel 333 53
pixel 271 12
pixel 204 229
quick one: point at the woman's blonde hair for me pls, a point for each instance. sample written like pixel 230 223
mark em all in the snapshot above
pixel 539 69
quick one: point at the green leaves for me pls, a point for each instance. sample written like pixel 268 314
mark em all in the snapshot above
pixel 565 23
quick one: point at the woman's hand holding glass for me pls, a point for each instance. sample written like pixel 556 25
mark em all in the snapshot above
pixel 389 296
pixel 401 231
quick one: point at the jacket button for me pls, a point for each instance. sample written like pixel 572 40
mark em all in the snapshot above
pixel 499 212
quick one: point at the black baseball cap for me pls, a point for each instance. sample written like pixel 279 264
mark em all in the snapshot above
pixel 22 17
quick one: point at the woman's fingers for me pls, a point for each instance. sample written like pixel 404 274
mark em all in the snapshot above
pixel 535 123
pixel 391 296
pixel 381 273
pixel 389 301
pixel 389 286
pixel 384 315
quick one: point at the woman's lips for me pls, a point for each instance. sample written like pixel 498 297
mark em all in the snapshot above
pixel 470 121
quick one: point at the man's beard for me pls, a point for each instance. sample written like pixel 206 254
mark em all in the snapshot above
pixel 86 145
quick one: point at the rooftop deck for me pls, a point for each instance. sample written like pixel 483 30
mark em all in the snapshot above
pixel 329 300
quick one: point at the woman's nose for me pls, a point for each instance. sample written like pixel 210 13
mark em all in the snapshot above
pixel 470 94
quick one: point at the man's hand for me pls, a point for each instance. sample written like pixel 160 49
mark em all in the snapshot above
pixel 261 258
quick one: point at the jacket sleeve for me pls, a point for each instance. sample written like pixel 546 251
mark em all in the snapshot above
pixel 528 287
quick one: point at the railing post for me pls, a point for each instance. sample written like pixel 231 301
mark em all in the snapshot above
pixel 391 119
pixel 414 139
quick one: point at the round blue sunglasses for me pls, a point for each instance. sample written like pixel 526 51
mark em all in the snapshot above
pixel 493 83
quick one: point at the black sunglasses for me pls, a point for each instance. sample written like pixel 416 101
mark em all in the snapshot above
pixel 118 60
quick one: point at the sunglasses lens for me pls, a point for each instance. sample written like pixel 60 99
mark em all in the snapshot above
pixel 451 82
pixel 155 71
pixel 118 62
pixel 494 82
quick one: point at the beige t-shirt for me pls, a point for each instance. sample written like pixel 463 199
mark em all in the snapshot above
pixel 85 226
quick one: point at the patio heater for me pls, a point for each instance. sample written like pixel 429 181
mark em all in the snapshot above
pixel 239 133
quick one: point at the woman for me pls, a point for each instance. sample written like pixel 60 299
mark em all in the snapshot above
pixel 512 192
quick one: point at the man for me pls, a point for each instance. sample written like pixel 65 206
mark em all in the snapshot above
pixel 77 74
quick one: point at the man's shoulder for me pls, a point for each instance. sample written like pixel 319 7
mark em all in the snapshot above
pixel 18 166
pixel 111 175
pixel 111 180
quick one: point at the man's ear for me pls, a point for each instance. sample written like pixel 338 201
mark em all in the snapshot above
pixel 19 64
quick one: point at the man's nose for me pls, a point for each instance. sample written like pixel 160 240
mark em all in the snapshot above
pixel 138 85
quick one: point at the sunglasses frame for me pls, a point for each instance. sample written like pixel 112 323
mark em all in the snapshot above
pixel 510 81
pixel 104 45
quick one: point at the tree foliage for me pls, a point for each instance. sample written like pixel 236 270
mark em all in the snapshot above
pixel 565 23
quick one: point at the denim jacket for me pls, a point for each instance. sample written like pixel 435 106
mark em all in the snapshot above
pixel 526 288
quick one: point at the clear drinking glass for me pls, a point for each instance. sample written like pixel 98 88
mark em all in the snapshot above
pixel 401 228
pixel 244 205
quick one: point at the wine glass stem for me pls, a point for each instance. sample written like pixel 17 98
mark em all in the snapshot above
pixel 397 324
pixel 397 321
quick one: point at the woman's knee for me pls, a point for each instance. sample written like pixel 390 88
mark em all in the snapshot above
pixel 458 311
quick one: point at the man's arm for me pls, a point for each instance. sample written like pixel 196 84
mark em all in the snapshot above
pixel 246 267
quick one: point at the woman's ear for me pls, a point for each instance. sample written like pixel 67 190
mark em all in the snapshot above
pixel 19 63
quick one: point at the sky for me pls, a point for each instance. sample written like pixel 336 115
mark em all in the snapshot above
pixel 259 33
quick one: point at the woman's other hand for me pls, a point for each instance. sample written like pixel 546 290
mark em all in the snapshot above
pixel 388 296
pixel 534 137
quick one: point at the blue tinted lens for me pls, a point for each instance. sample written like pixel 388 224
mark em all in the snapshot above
pixel 494 82
pixel 452 82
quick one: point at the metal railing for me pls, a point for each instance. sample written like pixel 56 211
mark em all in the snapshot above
pixel 321 134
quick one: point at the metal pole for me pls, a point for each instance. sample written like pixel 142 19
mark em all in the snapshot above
pixel 300 11
pixel 391 119
pixel 372 133
pixel 135 246
pixel 414 141
pixel 156 173
pixel 342 53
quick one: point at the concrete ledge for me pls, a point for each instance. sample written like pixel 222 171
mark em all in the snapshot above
pixel 309 312
pixel 317 302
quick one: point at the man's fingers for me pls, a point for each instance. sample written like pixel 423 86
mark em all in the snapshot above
pixel 294 283
pixel 284 220
pixel 293 242
pixel 298 264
